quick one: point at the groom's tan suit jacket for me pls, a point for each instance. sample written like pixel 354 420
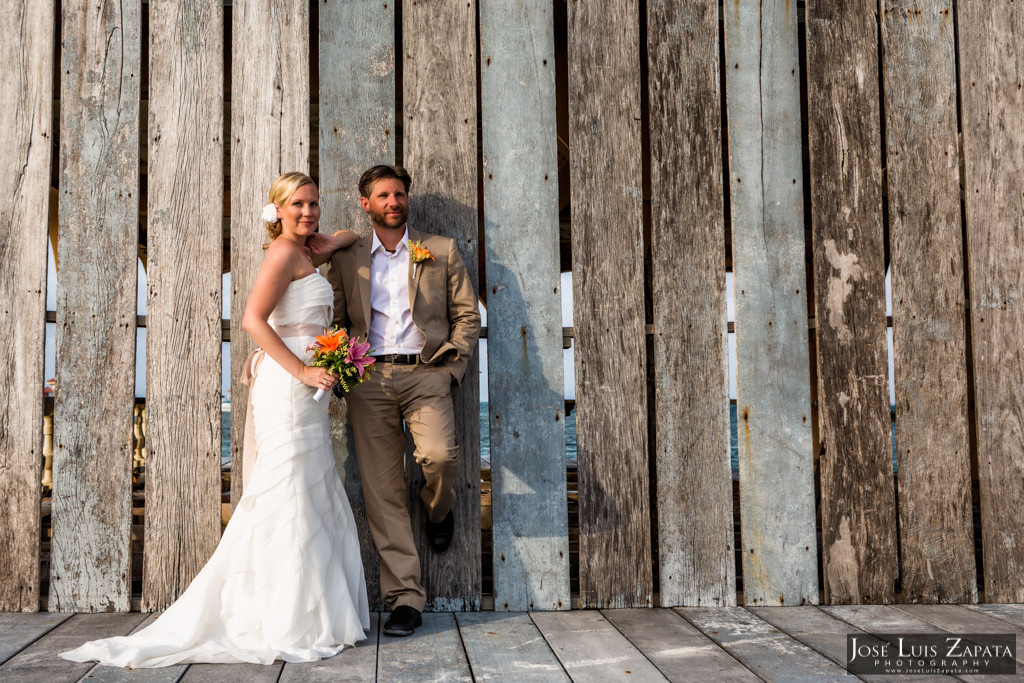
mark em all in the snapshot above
pixel 441 299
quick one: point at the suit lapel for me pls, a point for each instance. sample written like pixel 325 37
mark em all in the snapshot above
pixel 414 273
pixel 363 275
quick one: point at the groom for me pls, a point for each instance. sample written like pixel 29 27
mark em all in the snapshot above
pixel 409 294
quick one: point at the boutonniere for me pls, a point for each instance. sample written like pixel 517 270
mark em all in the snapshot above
pixel 418 254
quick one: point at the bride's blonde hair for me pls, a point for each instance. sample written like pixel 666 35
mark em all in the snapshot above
pixel 280 192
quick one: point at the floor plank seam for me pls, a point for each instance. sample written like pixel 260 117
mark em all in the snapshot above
pixel 721 646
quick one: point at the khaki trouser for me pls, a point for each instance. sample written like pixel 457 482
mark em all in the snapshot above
pixel 421 396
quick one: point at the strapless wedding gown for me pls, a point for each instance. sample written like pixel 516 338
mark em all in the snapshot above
pixel 286 581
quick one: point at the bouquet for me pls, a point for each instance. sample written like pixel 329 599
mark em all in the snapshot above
pixel 342 356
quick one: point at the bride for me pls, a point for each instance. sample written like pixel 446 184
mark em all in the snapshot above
pixel 286 581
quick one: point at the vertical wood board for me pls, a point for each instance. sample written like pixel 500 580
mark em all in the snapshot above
pixel 776 458
pixel 936 525
pixel 269 136
pixel 183 314
pixel 357 104
pixel 691 393
pixel 858 515
pixel 608 307
pixel 357 130
pixel 440 147
pixel 524 342
pixel 25 187
pixel 991 49
pixel 96 305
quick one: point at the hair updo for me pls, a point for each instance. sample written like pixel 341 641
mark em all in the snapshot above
pixel 280 192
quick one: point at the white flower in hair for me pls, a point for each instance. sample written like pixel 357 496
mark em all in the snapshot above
pixel 270 213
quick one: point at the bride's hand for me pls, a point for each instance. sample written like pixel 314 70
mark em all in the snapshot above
pixel 318 378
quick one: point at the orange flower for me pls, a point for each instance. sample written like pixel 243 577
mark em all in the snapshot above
pixel 418 252
pixel 330 341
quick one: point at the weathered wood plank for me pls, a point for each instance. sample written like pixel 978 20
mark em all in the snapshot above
pixel 530 524
pixel 502 646
pixel 95 347
pixel 991 48
pixel 608 304
pixel 269 136
pixel 41 663
pixel 959 619
pixel 357 130
pixel 217 673
pixel 25 187
pixel 357 104
pixel 114 674
pixel 1011 614
pixel 880 619
pixel 591 649
pixel 936 527
pixel 680 651
pixel 440 148
pixel 776 458
pixel 435 653
pixel 357 663
pixel 184 300
pixel 858 515
pixel 18 631
pixel 691 393
pixel 822 633
pixel 772 655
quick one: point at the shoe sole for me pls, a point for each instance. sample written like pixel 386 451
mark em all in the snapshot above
pixel 399 632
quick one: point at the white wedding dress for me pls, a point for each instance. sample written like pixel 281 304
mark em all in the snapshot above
pixel 286 581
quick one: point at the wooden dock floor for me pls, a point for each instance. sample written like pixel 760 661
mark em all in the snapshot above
pixel 682 644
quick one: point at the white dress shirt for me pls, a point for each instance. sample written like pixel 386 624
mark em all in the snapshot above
pixel 391 326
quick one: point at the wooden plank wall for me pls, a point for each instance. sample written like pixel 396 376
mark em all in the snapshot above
pixel 357 130
pixel 858 515
pixel 991 36
pixel 95 346
pixel 183 311
pixel 440 151
pixel 524 306
pixel 773 403
pixel 25 188
pixel 865 118
pixel 608 301
pixel 269 136
pixel 936 526
pixel 696 551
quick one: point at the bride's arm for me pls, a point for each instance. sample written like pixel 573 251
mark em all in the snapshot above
pixel 272 280
pixel 322 246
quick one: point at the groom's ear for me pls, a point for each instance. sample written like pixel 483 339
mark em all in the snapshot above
pixel 365 203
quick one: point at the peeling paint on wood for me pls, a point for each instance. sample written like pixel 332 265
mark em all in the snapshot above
pixel 269 136
pixel 440 147
pixel 524 342
pixel 776 459
pixel 858 514
pixel 95 350
pixel 184 303
pixel 608 305
pixel 25 186
pixel 991 45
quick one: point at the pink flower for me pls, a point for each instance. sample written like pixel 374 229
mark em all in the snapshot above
pixel 357 356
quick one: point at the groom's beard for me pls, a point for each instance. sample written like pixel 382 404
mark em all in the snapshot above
pixel 391 222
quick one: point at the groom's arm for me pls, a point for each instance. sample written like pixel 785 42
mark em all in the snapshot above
pixel 463 314
pixel 341 318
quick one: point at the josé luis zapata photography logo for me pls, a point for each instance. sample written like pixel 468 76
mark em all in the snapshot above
pixel 931 653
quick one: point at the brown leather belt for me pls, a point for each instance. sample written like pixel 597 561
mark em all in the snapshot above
pixel 398 358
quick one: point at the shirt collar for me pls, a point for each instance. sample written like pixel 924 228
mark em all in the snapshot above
pixel 376 244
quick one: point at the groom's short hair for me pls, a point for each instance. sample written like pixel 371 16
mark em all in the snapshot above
pixel 380 172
